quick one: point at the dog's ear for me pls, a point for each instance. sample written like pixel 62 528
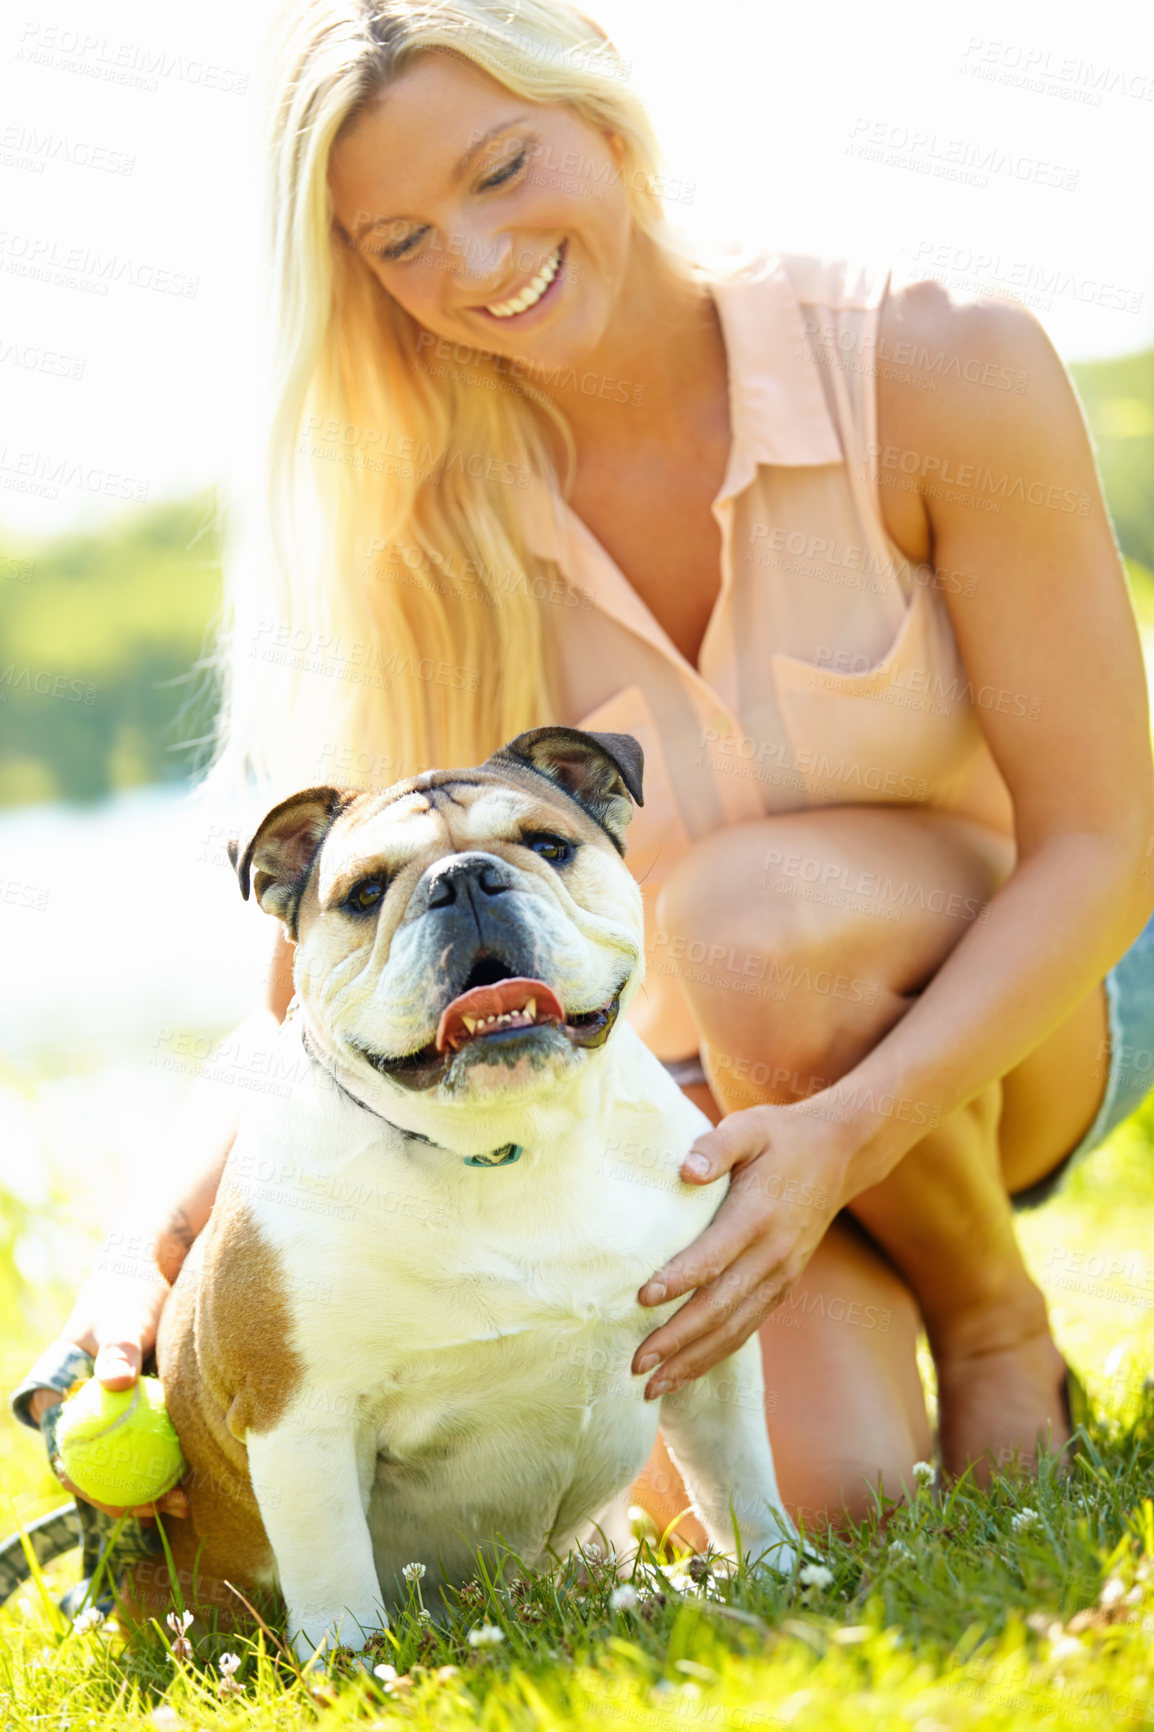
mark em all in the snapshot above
pixel 602 772
pixel 277 860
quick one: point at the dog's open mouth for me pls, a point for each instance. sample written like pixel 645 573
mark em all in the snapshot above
pixel 516 1002
pixel 495 1011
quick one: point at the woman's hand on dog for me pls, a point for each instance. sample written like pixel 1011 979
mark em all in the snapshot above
pixel 787 1171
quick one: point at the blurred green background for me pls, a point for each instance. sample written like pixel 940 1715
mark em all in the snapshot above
pixel 132 612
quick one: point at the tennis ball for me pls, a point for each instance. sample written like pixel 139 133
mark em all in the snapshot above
pixel 118 1445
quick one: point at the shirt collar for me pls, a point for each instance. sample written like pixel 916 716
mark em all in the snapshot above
pixel 777 405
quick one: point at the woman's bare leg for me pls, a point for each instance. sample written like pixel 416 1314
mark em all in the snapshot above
pixel 839 971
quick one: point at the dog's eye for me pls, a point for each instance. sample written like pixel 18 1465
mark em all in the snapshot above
pixel 364 895
pixel 558 850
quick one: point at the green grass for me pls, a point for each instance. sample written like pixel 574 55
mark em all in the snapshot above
pixel 940 1614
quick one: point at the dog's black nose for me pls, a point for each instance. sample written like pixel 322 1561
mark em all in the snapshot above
pixel 451 879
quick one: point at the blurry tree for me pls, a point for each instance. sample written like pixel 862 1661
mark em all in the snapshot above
pixel 103 643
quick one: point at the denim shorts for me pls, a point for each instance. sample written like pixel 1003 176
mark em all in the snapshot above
pixel 1130 1077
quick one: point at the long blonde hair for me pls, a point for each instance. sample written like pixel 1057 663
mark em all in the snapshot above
pixel 382 598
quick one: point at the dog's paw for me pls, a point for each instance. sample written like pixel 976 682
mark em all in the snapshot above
pixel 327 1648
pixel 782 1559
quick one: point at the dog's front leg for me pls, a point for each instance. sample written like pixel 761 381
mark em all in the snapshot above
pixel 715 1429
pixel 313 1501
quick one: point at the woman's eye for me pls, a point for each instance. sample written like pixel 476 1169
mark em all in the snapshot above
pixel 400 248
pixel 506 172
pixel 364 895
pixel 556 849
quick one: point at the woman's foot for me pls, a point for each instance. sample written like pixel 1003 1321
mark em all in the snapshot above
pixel 1001 1392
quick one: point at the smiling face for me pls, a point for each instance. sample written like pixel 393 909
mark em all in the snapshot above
pixel 492 220
pixel 466 936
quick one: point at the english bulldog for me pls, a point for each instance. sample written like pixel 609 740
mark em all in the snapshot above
pixel 406 1332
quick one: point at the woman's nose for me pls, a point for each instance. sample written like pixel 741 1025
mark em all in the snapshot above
pixel 483 258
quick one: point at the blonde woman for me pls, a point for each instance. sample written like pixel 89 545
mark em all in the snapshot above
pixel 530 461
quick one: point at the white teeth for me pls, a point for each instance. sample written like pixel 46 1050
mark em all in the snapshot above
pixel 531 293
pixel 528 1013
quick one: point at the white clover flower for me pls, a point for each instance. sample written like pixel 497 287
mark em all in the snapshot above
pixel 924 1472
pixel 486 1636
pixel 414 1572
pixel 1023 1519
pixel 227 1685
pixel 393 1683
pixel 900 1552
pixel 165 1718
pixel 424 1617
pixel 815 1576
pixel 90 1618
pixel 1112 1591
pixel 178 1623
pixel 623 1599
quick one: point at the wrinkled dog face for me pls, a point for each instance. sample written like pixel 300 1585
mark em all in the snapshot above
pixel 466 932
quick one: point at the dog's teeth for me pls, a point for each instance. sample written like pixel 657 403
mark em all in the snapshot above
pixel 524 1015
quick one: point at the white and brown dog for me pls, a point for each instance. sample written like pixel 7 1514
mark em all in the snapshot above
pixel 407 1330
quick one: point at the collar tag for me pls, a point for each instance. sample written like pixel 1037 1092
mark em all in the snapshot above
pixel 497 1158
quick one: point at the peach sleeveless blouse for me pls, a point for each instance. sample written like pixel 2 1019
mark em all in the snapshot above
pixel 829 672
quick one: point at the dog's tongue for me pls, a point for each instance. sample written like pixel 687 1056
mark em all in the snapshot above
pixel 518 994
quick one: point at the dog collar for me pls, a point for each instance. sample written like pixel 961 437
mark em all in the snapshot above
pixel 503 1157
pixel 498 1158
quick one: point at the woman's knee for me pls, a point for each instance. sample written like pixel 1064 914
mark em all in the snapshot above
pixel 783 1009
pixel 801 940
pixel 884 891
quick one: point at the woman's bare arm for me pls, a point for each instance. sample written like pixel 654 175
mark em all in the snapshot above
pixel 1050 645
pixel 215 1128
pixel 118 1308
